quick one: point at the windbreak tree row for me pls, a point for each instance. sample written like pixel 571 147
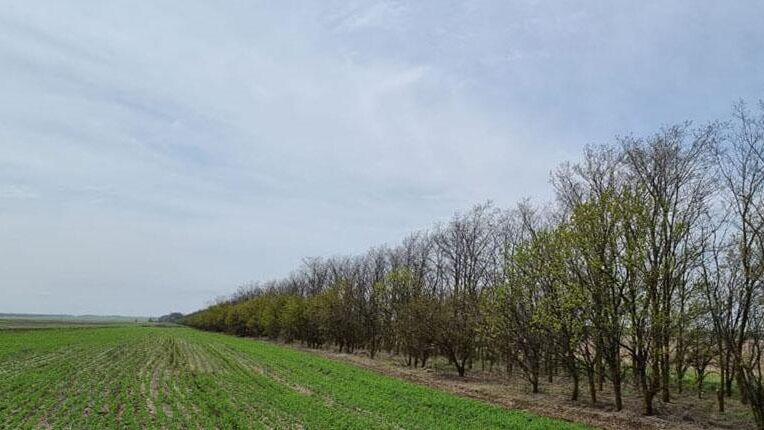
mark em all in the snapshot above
pixel 647 266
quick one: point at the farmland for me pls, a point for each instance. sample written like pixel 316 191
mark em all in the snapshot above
pixel 173 377
pixel 20 321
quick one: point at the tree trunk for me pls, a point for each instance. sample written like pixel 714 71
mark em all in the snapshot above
pixel 614 365
pixel 618 393
pixel 535 383
pixel 730 371
pixel 665 374
pixel 722 376
pixel 743 393
pixel 648 402
pixel 574 395
pixel 460 368
pixel 648 385
pixel 599 365
pixel 592 387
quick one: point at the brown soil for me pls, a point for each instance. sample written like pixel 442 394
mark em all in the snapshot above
pixel 685 411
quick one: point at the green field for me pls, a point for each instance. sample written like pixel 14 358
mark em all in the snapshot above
pixel 27 323
pixel 24 321
pixel 172 377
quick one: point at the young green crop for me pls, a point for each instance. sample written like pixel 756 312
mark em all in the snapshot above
pixel 154 377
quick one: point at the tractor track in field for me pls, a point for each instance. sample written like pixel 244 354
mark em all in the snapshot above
pixel 166 378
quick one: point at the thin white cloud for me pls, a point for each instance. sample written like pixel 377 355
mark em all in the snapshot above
pixel 151 153
pixel 16 192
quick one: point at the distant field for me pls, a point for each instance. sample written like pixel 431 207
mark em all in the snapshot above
pixel 28 323
pixel 25 321
pixel 163 377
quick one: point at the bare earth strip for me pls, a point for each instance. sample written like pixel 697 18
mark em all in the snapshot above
pixel 686 413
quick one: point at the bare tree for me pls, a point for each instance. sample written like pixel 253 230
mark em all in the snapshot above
pixel 669 171
pixel 465 246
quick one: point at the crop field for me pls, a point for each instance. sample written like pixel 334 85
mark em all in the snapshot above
pixel 172 377
pixel 29 323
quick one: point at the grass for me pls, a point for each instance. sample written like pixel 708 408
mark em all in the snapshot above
pixel 172 377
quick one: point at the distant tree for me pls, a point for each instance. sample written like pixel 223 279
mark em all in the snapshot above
pixel 174 318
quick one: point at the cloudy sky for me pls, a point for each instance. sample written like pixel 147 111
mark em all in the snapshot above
pixel 154 155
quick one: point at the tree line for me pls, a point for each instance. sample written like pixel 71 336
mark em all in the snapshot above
pixel 648 265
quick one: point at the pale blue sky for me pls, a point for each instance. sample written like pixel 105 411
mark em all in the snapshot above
pixel 154 155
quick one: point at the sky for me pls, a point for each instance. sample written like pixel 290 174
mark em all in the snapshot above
pixel 156 155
